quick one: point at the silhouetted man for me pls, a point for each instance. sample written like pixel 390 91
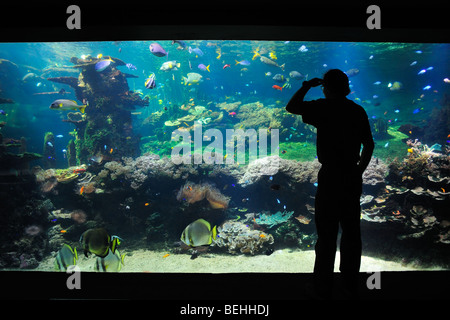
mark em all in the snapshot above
pixel 342 127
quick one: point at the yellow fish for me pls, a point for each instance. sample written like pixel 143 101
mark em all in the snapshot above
pixel 255 53
pixel 273 56
pixel 219 52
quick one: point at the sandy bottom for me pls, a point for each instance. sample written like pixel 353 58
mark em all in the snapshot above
pixel 285 260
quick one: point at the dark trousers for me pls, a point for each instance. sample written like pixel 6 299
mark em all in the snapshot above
pixel 337 204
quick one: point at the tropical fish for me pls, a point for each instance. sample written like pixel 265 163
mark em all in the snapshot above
pixel 201 66
pixel 243 62
pixel 395 86
pixel 192 78
pixel 181 44
pixel 112 262
pixel 66 257
pixel 170 65
pixel 2 112
pixel 131 66
pixel 226 66
pixel 198 233
pixel 271 62
pixel 296 75
pixel 98 242
pixel 303 219
pixel 157 50
pixel 64 104
pixel 256 53
pixel 219 53
pixel 279 78
pixel 352 72
pixel 427 87
pixel 103 64
pixel 59 136
pixel 30 76
pixel 150 83
pixel 81 190
pixel 303 48
pixel 197 51
pixel 277 87
pixel 273 56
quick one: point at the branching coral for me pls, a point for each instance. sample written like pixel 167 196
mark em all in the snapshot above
pixel 272 220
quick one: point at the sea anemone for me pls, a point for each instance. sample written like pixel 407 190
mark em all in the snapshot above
pixel 49 185
pixel 216 199
pixel 192 193
pixel 89 188
pixel 79 216
pixel 33 230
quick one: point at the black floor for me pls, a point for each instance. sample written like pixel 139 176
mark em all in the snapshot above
pixel 211 287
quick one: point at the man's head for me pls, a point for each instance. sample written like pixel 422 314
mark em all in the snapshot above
pixel 335 84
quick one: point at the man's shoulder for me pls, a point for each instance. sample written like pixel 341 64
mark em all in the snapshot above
pixel 357 107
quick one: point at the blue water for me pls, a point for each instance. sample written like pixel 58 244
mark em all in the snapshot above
pixel 396 83
pixel 379 64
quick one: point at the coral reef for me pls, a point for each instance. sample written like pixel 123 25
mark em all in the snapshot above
pixel 416 197
pixel 271 220
pixel 237 237
pixel 106 127
pixel 296 171
pixel 374 177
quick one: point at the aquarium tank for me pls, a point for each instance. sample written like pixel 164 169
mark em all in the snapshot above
pixel 179 155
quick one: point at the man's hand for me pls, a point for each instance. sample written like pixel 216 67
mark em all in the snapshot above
pixel 313 82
